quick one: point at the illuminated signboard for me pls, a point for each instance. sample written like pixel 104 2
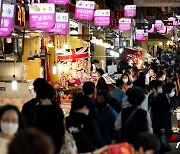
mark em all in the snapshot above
pixel 20 15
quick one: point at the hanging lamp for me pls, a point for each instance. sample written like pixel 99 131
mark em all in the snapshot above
pixel 35 51
pixel 30 57
pixel 14 81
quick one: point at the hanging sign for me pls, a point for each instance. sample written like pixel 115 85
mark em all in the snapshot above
pixel 163 31
pixel 178 20
pixel 175 22
pixel 7 20
pixel 61 24
pixel 41 16
pixel 169 28
pixel 124 24
pixel 62 2
pixel 150 30
pixel 159 25
pixel 139 34
pixel 102 18
pixel 130 10
pixel 84 10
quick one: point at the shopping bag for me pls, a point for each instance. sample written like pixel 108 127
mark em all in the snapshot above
pixel 165 146
pixel 69 145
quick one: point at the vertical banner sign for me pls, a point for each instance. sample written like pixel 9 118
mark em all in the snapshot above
pixel 41 16
pixel 151 30
pixel 84 10
pixel 139 34
pixel 130 10
pixel 159 25
pixel 62 2
pixel 7 20
pixel 61 24
pixel 124 24
pixel 102 18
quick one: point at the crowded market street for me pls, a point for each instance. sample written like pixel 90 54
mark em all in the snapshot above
pixel 90 76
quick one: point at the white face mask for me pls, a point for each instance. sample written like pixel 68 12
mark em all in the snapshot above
pixel 125 80
pixel 9 128
pixel 159 90
pixel 172 93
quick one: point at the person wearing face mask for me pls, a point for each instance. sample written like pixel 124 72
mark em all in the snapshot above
pixel 161 118
pixel 126 84
pixel 106 117
pixel 83 127
pixel 10 123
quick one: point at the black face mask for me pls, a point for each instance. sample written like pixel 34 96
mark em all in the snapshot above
pixel 102 104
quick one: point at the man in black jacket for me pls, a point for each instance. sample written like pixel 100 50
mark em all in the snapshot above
pixel 83 128
pixel 88 90
pixel 29 107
